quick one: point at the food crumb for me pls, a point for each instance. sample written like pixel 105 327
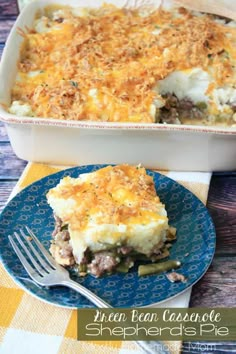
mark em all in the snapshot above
pixel 174 277
pixel 82 274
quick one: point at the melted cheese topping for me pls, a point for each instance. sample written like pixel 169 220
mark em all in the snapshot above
pixel 104 64
pixel 112 206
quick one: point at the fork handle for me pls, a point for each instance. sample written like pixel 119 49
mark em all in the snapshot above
pixel 85 292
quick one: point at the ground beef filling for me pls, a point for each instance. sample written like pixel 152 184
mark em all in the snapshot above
pixel 185 111
pixel 119 259
pixel 178 111
pixel 60 248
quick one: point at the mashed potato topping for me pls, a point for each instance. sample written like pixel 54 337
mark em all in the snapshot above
pixel 114 208
pixel 127 65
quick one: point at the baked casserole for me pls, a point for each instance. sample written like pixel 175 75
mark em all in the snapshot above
pixel 107 219
pixel 127 65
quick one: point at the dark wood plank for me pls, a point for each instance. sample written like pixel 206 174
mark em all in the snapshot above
pixel 223 189
pixel 5 191
pixel 222 207
pixel 1 48
pixel 8 8
pixel 218 286
pixel 5 28
pixel 3 133
pixel 10 166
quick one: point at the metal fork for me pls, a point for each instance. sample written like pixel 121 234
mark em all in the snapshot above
pixel 46 272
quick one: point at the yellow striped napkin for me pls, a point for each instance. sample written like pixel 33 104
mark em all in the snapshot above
pixel 28 325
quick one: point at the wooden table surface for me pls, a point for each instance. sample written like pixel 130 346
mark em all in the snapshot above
pixel 218 287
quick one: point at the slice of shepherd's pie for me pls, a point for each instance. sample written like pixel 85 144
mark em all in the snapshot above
pixel 107 219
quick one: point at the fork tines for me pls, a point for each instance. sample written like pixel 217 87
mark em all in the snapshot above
pixel 32 254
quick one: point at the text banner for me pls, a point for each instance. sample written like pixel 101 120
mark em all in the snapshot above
pixel 192 324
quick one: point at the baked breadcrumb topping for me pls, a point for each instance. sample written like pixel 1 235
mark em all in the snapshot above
pixel 121 194
pixel 105 64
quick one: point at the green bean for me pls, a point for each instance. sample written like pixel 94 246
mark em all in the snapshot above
pixel 122 268
pixel 140 257
pixel 201 105
pixel 82 268
pixel 156 268
pixel 64 227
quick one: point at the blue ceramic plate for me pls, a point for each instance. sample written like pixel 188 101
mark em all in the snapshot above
pixel 194 246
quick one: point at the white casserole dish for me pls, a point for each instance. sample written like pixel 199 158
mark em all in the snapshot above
pixel 176 147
